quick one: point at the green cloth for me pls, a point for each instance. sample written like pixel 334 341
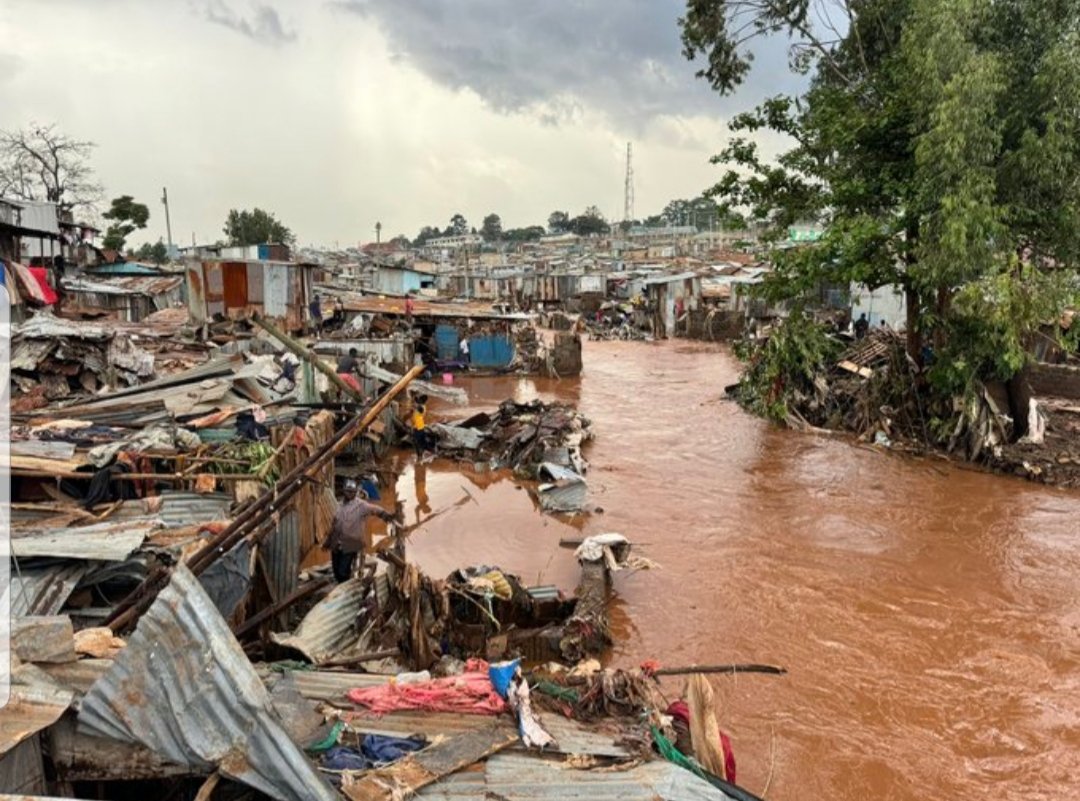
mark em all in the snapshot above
pixel 330 740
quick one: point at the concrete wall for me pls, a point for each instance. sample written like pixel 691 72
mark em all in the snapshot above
pixel 884 303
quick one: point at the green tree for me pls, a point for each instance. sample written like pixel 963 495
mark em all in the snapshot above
pixel 256 227
pixel 589 222
pixel 156 253
pixel 459 226
pixel 427 233
pixel 938 144
pixel 530 234
pixel 125 216
pixel 492 228
pixel 558 222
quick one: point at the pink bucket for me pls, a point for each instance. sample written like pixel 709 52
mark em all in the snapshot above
pixel 448 378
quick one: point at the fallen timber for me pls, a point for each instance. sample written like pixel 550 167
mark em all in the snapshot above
pixel 257 519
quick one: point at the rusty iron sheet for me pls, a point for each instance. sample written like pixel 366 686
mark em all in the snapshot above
pixel 184 689
pixel 521 777
pixel 44 590
pixel 104 542
pixel 34 705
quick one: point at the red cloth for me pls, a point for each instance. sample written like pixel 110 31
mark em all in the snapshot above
pixel 41 276
pixel 350 379
pixel 470 693
pixel 680 710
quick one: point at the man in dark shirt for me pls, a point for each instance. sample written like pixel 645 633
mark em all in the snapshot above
pixel 862 325
pixel 346 538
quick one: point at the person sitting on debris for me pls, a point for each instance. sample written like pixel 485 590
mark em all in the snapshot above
pixel 337 319
pixel 346 538
pixel 348 368
pixel 862 325
pixel 315 309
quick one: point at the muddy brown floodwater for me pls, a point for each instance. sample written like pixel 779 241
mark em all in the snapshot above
pixel 929 616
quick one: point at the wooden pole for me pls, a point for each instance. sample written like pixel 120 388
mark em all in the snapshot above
pixel 274 609
pixel 772 670
pixel 299 350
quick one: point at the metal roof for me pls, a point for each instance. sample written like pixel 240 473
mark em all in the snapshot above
pixel 107 542
pixel 331 625
pixel 184 688
pixel 572 737
pixel 126 285
pixel 32 707
pixel 513 776
pixel 43 591
pixel 177 508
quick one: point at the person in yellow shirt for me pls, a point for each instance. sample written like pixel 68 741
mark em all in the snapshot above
pixel 422 437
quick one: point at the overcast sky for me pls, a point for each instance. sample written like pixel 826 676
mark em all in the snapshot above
pixel 335 115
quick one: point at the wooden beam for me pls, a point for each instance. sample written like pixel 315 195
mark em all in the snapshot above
pixel 300 351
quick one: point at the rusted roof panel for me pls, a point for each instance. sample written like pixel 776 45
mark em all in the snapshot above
pixel 520 777
pixel 32 707
pixel 43 591
pixel 184 688
pixel 105 542
pixel 331 625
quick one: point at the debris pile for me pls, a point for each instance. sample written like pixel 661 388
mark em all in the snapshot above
pixel 521 437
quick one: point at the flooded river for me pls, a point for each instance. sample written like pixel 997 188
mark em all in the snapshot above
pixel 929 616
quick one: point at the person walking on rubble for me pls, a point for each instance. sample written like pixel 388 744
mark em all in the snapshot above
pixel 346 539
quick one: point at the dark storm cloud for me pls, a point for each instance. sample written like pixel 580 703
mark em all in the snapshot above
pixel 556 57
pixel 264 26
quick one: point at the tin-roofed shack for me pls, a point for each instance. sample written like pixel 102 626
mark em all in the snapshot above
pixel 224 289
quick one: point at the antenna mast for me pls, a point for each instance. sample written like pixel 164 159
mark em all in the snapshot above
pixel 628 197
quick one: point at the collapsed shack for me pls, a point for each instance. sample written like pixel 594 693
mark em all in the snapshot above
pixel 1028 426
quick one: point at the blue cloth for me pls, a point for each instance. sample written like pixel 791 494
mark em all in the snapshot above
pixel 341 757
pixel 370 489
pixel 501 674
pixel 383 749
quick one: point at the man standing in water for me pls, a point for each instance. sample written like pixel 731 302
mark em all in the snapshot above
pixel 346 538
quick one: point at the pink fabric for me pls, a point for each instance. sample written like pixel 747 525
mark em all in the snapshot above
pixel 470 693
pixel 350 379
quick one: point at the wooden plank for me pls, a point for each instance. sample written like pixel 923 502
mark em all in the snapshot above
pixel 441 759
pixel 851 367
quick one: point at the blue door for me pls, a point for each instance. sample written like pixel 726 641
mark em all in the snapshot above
pixel 491 350
pixel 446 343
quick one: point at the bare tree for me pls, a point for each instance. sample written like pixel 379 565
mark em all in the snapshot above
pixel 40 162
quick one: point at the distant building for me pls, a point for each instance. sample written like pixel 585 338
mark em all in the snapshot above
pixel 400 280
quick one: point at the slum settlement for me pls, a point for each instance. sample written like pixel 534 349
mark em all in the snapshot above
pixel 199 608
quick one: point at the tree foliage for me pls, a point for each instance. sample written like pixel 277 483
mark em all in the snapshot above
pixel 125 217
pixel 256 227
pixel 459 226
pixel 938 143
pixel 156 253
pixel 558 222
pixel 530 233
pixel 590 222
pixel 491 229
pixel 427 233
pixel 42 163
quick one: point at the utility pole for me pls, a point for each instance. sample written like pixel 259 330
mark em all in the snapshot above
pixel 378 234
pixel 168 224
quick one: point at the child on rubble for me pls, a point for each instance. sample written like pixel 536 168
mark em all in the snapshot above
pixel 422 437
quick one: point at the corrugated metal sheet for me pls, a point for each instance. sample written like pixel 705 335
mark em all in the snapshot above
pixel 572 737
pixel 177 509
pixel 512 776
pixel 183 688
pixel 276 290
pixel 43 591
pixel 386 351
pixel 331 625
pixel 106 542
pixel 39 215
pixel 280 555
pixel 32 707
